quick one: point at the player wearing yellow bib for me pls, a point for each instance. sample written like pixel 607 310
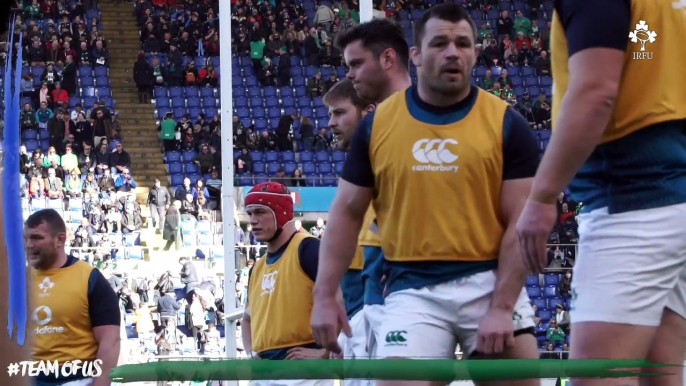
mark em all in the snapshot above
pixel 276 321
pixel 619 142
pixel 446 223
pixel 377 56
pixel 346 110
pixel 76 314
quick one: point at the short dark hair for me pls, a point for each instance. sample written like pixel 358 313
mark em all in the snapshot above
pixel 49 217
pixel 345 90
pixel 449 12
pixel 377 36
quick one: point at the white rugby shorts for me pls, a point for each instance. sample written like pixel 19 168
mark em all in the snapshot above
pixel 355 347
pixel 429 323
pixel 630 266
pixel 373 317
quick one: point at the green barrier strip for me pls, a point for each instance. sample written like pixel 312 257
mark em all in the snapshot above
pixel 400 369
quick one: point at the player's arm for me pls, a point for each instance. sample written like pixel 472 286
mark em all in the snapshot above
pixel 103 309
pixel 246 331
pixel 347 212
pixel 597 47
pixel 309 262
pixel 520 150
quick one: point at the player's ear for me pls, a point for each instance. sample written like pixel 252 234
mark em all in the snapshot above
pixel 387 59
pixel 416 56
pixel 369 109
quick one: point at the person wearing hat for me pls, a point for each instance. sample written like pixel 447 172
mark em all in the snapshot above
pixel 280 284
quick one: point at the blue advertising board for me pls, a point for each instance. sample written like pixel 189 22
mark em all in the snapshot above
pixel 308 199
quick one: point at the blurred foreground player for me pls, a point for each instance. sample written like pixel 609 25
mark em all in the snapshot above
pixel 346 110
pixel 75 313
pixel 446 224
pixel 378 58
pixel 276 321
pixel 619 121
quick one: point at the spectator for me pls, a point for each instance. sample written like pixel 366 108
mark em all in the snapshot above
pixel 60 97
pixel 214 185
pixel 316 85
pixel 565 286
pixel 283 69
pixel 319 229
pixel 84 55
pixel 543 66
pixel 324 17
pixel 183 190
pixel 100 54
pixel 199 190
pixel 204 159
pixel 283 132
pixel 172 226
pixel 330 82
pixel 102 159
pixel 51 76
pixel 266 74
pixel 189 275
pixel 244 162
pixel 297 179
pixel 189 212
pixel 26 88
pixel 120 160
pixel 306 132
pixel 190 75
pixel 208 76
pixel 73 185
pixel 312 47
pixel 90 186
pixel 130 219
pixel 267 141
pixel 115 126
pixel 158 202
pixel 321 141
pixel 70 162
pixel 125 182
pixel 28 118
pixel 143 77
pixel 544 116
pixel 106 184
pixel 102 127
pixel 554 332
pixel 549 352
pixel 522 24
pixel 167 129
pixel 36 54
pixel 54 188
pixel 562 317
pixel 159 74
pixel 175 68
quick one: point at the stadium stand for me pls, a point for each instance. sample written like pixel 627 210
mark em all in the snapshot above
pixel 279 123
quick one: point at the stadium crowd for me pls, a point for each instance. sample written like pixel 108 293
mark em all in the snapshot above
pixel 73 158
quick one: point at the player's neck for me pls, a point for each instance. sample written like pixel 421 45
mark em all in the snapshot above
pixel 285 236
pixel 397 83
pixel 60 262
pixel 441 100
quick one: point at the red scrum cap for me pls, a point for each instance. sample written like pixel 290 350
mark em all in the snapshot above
pixel 274 196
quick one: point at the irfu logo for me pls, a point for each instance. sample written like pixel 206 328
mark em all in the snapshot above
pixel 396 338
pixel 516 316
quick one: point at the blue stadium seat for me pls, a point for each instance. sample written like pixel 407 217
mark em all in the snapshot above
pixel 176 179
pixel 271 156
pixel 554 302
pixel 540 303
pixel 533 292
pixel 259 167
pixel 322 156
pixel 338 156
pixel 550 291
pixel 191 168
pixel 325 168
pixel 289 168
pixel 309 168
pixel 552 279
pixel 545 315
pixel 245 179
pixel 261 178
pixel 329 179
pixel 532 280
pixel 288 156
pixel 175 168
pixel 172 157
pixel 338 168
pixel 257 156
pixel 273 167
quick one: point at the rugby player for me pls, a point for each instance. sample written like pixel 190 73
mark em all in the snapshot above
pixel 377 56
pixel 276 325
pixel 619 143
pixel 346 110
pixel 446 223
pixel 76 312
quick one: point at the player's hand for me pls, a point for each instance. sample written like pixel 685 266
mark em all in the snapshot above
pixel 495 333
pixel 328 317
pixel 298 353
pixel 533 229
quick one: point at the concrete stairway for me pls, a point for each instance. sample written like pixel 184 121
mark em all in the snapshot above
pixel 140 134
